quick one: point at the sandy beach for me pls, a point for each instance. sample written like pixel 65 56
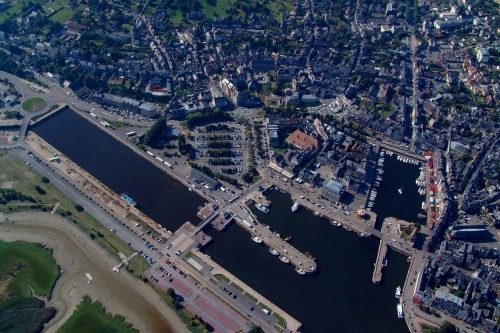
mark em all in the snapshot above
pixel 76 254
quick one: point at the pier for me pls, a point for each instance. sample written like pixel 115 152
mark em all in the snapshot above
pixel 379 264
pixel 272 240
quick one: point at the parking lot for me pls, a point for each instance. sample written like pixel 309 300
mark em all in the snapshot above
pixel 221 147
pixel 253 308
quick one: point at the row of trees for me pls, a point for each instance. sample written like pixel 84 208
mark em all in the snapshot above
pixel 156 134
pixel 219 144
pixel 210 173
pixel 213 115
pixel 220 152
pixel 13 195
pixel 220 161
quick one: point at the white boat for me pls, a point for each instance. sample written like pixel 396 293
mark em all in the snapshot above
pixel 398 292
pixel 284 259
pixel 360 234
pixel 400 311
pixel 256 239
pixel 335 223
pixel 273 251
pixel 300 271
pixel 295 206
pixel 400 190
pixel 262 208
pixel 346 228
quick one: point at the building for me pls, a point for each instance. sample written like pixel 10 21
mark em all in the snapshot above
pixel 263 65
pixel 273 136
pixel 333 190
pixel 468 231
pixel 147 110
pixel 483 55
pixel 302 140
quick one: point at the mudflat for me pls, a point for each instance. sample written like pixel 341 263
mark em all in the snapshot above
pixel 76 254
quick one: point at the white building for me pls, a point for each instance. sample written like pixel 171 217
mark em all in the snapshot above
pixel 483 55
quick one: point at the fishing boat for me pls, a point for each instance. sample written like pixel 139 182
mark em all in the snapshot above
pixel 257 239
pixel 262 208
pixel 400 311
pixel 398 292
pixel 400 190
pixel 273 251
pixel 300 271
pixel 335 223
pixel 284 259
pixel 295 206
pixel 289 238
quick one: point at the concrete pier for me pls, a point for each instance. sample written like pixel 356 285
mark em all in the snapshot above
pixel 297 258
pixel 379 264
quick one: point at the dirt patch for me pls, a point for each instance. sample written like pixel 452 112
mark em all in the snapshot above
pixel 76 254
pixel 7 185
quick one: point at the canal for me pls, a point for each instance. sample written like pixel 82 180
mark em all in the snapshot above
pixel 340 297
pixel 159 196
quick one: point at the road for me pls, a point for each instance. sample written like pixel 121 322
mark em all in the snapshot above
pixel 107 220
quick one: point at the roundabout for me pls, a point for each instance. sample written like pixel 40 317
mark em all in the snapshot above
pixel 33 104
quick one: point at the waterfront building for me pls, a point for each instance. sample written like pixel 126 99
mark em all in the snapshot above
pixel 333 190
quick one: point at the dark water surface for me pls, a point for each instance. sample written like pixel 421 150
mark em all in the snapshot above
pixel 340 297
pixel 389 203
pixel 159 196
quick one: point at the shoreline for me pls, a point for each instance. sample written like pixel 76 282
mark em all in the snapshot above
pixel 76 254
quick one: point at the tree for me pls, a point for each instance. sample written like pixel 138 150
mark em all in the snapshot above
pixel 171 292
pixel 45 180
pixel 447 327
pixel 79 208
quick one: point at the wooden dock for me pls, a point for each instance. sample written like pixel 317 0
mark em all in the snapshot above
pixel 379 264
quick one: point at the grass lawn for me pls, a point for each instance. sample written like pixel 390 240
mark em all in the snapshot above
pixel 32 104
pixel 30 265
pixel 62 16
pixel 219 10
pixel 279 150
pixel 177 18
pixel 11 12
pixel 62 2
pixel 127 26
pixel 219 277
pixel 137 265
pixel 25 180
pixel 237 287
pixel 91 317
pixel 281 321
pixel 278 6
pixel 250 297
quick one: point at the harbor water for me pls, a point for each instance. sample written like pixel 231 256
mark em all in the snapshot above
pixel 340 296
pixel 158 195
pixel 389 203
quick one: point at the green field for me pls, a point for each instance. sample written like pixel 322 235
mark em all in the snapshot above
pixel 11 12
pixel 126 26
pixel 62 16
pixel 33 104
pixel 22 265
pixel 25 180
pixel 91 318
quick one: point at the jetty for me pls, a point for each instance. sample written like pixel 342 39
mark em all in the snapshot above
pixel 305 261
pixel 379 264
